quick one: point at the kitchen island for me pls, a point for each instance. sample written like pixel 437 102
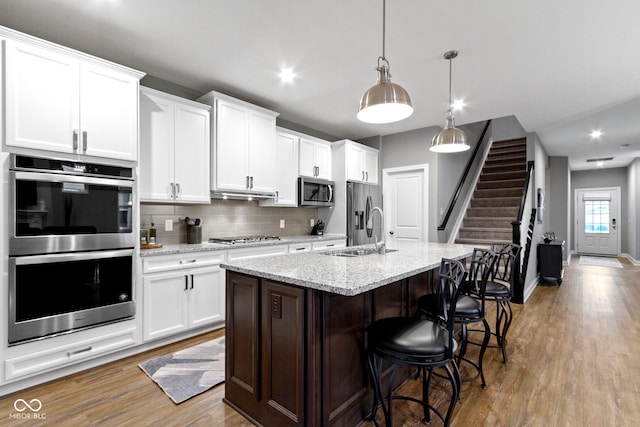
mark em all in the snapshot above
pixel 295 327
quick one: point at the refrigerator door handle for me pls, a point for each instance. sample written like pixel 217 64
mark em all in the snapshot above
pixel 357 223
pixel 369 206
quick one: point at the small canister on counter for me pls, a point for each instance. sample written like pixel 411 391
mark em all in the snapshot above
pixel 194 230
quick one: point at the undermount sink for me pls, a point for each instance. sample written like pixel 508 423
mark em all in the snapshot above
pixel 355 252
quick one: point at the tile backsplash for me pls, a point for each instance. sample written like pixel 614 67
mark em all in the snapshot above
pixel 226 218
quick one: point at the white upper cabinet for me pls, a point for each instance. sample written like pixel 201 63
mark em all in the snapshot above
pixel 286 172
pixel 360 161
pixel 174 148
pixel 244 145
pixel 315 158
pixel 63 101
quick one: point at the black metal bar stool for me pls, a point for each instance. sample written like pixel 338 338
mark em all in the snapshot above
pixel 469 309
pixel 421 343
pixel 500 290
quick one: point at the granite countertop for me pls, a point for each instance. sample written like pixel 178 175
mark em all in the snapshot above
pixel 350 275
pixel 184 248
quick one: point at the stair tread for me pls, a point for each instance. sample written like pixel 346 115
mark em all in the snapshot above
pixel 508 229
pixel 487 242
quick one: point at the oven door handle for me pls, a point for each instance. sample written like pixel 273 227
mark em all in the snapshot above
pixel 54 177
pixel 75 256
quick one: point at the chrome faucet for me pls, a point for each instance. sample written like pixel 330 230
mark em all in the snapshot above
pixel 381 247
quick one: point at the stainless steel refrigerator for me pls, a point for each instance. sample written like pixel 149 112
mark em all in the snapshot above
pixel 361 198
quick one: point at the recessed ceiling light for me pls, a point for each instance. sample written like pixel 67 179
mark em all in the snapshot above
pixel 287 75
pixel 596 134
pixel 599 164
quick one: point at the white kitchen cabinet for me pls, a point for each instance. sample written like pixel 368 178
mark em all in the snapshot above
pixel 328 244
pixel 174 149
pixel 64 101
pixel 38 357
pixel 244 145
pixel 286 170
pixel 361 162
pixel 257 252
pixel 315 158
pixel 182 292
pixel 299 247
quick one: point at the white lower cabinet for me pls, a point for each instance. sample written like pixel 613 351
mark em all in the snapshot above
pixel 257 252
pixel 328 244
pixel 299 247
pixel 182 292
pixel 42 356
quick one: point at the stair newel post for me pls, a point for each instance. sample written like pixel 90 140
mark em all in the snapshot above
pixel 516 277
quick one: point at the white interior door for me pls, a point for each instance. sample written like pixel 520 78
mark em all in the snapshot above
pixel 405 203
pixel 597 221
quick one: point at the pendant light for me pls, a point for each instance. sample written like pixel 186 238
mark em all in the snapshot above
pixel 385 102
pixel 450 139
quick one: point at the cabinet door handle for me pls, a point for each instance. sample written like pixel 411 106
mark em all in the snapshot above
pixel 192 281
pixel 84 140
pixel 75 139
pixel 331 245
pixel 186 282
pixel 363 175
pixel 251 181
pixel 178 190
pixel 246 184
pixel 191 261
pixel 367 176
pixel 172 192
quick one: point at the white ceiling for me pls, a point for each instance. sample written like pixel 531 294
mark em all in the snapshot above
pixel 563 68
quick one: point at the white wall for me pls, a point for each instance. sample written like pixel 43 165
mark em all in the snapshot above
pixel 537 153
pixel 633 207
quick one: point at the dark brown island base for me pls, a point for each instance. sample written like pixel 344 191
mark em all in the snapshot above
pixel 295 328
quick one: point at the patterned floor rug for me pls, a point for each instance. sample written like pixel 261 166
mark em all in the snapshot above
pixel 600 261
pixel 188 372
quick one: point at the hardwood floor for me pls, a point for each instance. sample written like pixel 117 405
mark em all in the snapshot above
pixel 573 360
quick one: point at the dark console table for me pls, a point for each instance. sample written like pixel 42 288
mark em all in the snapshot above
pixel 550 261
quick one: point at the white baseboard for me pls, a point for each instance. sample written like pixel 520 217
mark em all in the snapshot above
pixel 631 259
pixel 528 289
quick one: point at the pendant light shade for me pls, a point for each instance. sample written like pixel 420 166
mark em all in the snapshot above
pixel 450 139
pixel 385 102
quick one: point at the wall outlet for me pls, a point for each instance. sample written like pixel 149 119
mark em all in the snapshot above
pixel 168 225
pixel 282 223
pixel 312 222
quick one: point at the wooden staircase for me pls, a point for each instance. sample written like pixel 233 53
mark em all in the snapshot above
pixel 497 195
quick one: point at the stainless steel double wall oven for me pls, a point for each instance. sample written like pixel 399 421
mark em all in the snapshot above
pixel 70 246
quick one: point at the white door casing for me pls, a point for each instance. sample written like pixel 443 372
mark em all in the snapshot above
pixel 598 221
pixel 406 202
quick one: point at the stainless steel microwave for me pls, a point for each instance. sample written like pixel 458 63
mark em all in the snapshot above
pixel 315 192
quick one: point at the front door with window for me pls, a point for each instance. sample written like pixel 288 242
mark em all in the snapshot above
pixel 597 222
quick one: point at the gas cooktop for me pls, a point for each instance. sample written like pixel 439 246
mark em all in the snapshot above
pixel 243 239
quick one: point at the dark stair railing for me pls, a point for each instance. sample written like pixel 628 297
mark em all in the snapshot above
pixel 461 181
pixel 518 290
